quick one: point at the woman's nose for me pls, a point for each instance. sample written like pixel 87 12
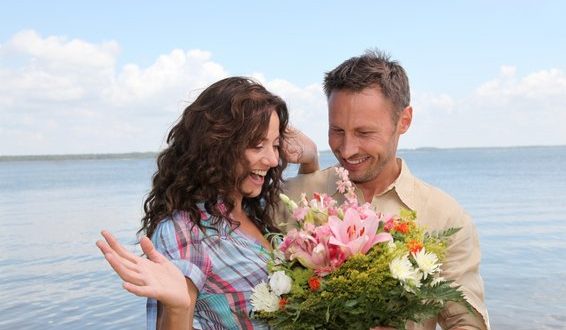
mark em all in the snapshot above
pixel 271 157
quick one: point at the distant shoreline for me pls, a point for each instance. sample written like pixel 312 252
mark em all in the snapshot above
pixel 152 154
pixel 127 155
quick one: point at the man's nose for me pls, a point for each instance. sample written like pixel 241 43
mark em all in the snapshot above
pixel 349 147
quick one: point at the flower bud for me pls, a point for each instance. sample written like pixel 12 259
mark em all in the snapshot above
pixel 280 283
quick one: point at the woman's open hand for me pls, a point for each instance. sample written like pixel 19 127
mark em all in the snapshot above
pixel 154 277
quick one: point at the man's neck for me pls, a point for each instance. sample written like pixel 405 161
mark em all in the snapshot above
pixel 381 182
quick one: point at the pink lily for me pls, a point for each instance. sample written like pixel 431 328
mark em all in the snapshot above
pixel 357 232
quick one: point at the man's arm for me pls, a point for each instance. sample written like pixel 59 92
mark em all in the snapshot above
pixel 462 265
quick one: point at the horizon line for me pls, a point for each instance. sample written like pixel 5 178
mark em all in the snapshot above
pixel 147 154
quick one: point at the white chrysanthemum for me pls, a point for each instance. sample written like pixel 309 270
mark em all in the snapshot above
pixel 402 269
pixel 263 299
pixel 427 262
pixel 280 283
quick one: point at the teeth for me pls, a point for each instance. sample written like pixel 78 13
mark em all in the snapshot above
pixel 259 172
pixel 355 161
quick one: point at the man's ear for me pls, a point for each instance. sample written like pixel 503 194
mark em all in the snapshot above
pixel 405 119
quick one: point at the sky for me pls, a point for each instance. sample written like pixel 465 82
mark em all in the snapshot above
pixel 114 76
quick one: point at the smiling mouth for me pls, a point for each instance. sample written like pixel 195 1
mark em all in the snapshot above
pixel 356 161
pixel 258 175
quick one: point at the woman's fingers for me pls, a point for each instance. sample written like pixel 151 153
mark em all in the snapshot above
pixel 154 277
pixel 117 247
pixel 128 275
pixel 103 246
pixel 300 149
pixel 106 249
pixel 291 146
pixel 150 251
pixel 141 291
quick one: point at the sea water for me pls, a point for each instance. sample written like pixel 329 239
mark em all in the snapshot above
pixel 51 212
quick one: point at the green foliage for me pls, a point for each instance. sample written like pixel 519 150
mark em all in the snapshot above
pixel 408 215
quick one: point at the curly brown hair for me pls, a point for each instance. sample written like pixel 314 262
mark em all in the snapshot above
pixel 204 149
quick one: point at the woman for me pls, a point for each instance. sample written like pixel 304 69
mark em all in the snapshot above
pixel 215 188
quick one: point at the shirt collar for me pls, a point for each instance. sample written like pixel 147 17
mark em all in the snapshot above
pixel 403 186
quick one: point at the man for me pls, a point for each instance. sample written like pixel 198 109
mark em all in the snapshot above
pixel 368 110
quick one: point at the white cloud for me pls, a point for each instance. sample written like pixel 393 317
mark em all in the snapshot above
pixel 70 96
pixel 428 102
pixel 508 70
pixel 47 74
pixel 307 108
pixel 58 51
pixel 505 111
pixel 170 77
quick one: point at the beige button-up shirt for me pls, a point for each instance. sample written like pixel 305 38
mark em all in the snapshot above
pixel 435 210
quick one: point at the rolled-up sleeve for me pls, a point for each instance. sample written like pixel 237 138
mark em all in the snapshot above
pixel 180 242
pixel 182 245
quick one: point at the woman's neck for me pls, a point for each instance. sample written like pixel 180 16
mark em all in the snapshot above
pixel 237 200
pixel 238 208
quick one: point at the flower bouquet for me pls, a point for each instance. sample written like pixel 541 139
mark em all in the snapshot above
pixel 349 267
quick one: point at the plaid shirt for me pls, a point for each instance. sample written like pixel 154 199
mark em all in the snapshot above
pixel 224 265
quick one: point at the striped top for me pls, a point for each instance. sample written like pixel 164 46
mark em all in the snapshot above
pixel 224 265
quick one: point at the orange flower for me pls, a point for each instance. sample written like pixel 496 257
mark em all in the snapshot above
pixel 314 283
pixel 402 227
pixel 414 245
pixel 282 303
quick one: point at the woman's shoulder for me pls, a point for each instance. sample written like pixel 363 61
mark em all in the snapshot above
pixel 178 224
